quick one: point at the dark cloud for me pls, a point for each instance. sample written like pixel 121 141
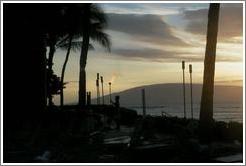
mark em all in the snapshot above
pixel 197 21
pixel 149 28
pixel 157 55
pixel 230 21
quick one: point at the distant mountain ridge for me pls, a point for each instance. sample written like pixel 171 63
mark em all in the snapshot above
pixel 172 93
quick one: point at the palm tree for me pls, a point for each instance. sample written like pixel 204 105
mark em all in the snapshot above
pixel 70 46
pixel 54 42
pixel 94 24
pixel 56 30
pixel 63 69
pixel 74 25
pixel 206 109
pixel 61 28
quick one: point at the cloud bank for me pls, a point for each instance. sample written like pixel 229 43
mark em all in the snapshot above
pixel 230 22
pixel 147 28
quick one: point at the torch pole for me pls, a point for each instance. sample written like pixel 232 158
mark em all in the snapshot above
pixel 183 67
pixel 98 90
pixel 191 97
pixel 110 99
pixel 102 90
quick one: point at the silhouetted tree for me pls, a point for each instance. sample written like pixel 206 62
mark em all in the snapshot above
pixel 74 23
pixel 63 69
pixel 206 109
pixel 54 85
pixel 61 25
pixel 94 24
pixel 71 45
pixel 55 32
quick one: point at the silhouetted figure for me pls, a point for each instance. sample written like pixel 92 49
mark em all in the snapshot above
pixel 117 108
pixel 88 98
pixel 143 102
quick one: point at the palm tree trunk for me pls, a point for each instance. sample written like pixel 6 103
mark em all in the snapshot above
pixel 63 70
pixel 83 58
pixel 206 109
pixel 49 74
pixel 82 73
pixel 82 87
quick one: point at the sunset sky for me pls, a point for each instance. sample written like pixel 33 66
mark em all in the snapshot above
pixel 149 41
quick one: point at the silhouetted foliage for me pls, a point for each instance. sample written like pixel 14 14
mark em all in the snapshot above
pixel 54 85
pixel 72 135
pixel 74 24
pixel 61 25
pixel 56 35
pixel 93 25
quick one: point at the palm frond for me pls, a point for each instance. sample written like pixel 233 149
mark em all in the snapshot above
pixel 97 26
pixel 91 47
pixel 62 40
pixel 102 38
pixel 78 35
pixel 76 46
pixel 97 14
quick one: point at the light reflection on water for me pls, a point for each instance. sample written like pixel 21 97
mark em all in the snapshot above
pixel 222 112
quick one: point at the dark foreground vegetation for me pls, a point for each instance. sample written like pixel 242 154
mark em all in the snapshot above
pixel 91 135
pixel 36 131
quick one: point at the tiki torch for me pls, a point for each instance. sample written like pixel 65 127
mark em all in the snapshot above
pixel 183 68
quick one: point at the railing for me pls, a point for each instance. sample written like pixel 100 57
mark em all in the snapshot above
pixel 164 114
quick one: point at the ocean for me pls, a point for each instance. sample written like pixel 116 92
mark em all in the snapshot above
pixel 222 112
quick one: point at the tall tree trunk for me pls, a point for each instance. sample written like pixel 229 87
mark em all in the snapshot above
pixel 49 74
pixel 63 70
pixel 206 109
pixel 82 72
pixel 82 87
pixel 83 58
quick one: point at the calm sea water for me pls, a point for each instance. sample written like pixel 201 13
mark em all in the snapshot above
pixel 222 112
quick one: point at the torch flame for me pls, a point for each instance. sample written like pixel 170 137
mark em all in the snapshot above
pixel 113 78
